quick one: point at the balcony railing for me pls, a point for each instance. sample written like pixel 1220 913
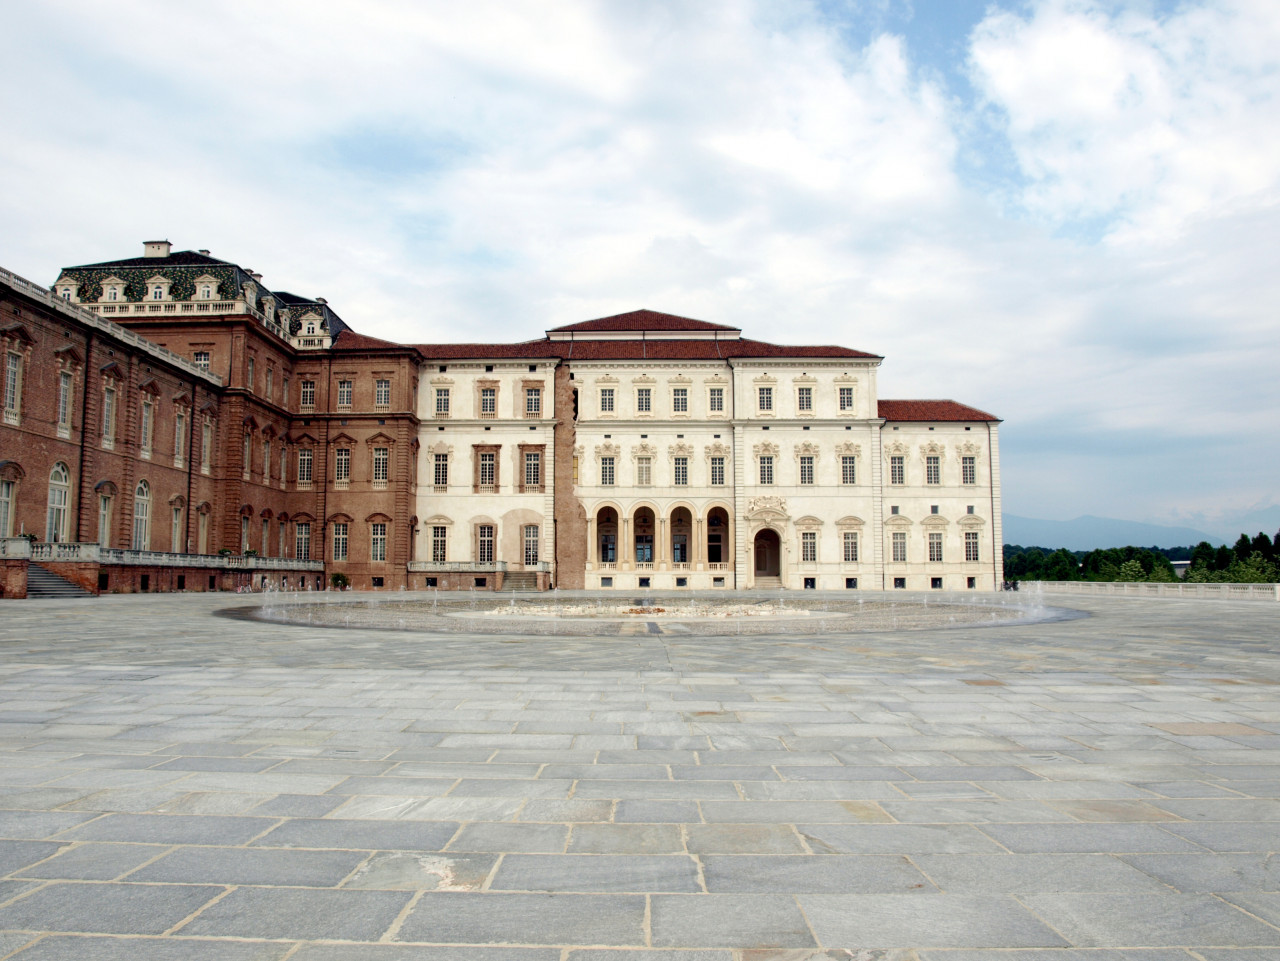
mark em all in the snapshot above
pixel 94 553
pixel 15 547
pixel 457 567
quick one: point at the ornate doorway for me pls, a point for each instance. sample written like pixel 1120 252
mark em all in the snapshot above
pixel 768 554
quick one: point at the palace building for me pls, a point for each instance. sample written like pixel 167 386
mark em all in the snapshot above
pixel 170 423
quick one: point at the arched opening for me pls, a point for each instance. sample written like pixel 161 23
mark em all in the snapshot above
pixel 717 536
pixel 142 517
pixel 644 538
pixel 681 532
pixel 59 497
pixel 768 554
pixel 607 536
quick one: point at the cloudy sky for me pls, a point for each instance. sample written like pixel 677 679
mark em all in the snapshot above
pixel 1061 211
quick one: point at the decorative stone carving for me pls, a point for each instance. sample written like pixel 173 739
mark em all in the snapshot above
pixel 680 450
pixel 896 449
pixel 933 449
pixel 848 449
pixel 807 449
pixel 643 449
pixel 767 508
pixel 608 450
pixel 766 449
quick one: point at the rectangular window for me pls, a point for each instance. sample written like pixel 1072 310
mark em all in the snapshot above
pixel 532 401
pixel 717 471
pixel 302 540
pixel 12 387
pixel 382 393
pixel 806 470
pixel 899 547
pixel 304 466
pixel 266 537
pixel 488 401
pixel 340 536
pixel 442 401
pixel 344 393
pixel 766 469
pixel 804 398
pixel 488 463
pixel 284 473
pixel 441 478
pixel 439 544
pixel 932 470
pixel 206 446
pixel 201 359
pixel 765 395
pixel 64 404
pixel 532 469
pixel 846 398
pixel 644 400
pixel 969 470
pixel 897 473
pixel 715 400
pixel 851 547
pixel 680 400
pixel 971 545
pixel 484 544
pixel 175 532
pixel 179 438
pixel 606 471
pixel 378 542
pixel 146 429
pixel 530 544
pixel 606 400
pixel 250 378
pixel 848 469
pixel 308 398
pixel 104 517
pixel 381 465
pixel 681 471
pixel 342 466
pixel 809 547
pixel 935 546
pixel 109 418
pixel 270 376
pixel 245 459
pixel 644 471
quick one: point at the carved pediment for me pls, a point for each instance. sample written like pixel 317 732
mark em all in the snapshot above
pixel 851 521
pixel 933 449
pixel 807 449
pixel 767 508
pixel 607 450
pixel 848 449
pixel 680 450
pixel 766 449
pixel 968 449
pixel 717 449
pixel 644 449
pixel 896 449
pixel 440 447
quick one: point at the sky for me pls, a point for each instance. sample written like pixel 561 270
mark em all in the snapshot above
pixel 1064 212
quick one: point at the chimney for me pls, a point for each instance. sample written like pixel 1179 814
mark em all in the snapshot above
pixel 321 300
pixel 205 252
pixel 156 248
pixel 255 276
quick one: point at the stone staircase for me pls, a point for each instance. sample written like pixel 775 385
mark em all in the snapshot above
pixel 768 583
pixel 42 582
pixel 521 581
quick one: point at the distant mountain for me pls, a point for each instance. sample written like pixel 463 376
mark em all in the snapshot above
pixel 1090 533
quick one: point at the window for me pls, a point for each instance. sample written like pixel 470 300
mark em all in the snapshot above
pixel 935 583
pixel 530 544
pixel 157 292
pixel 59 497
pixel 606 471
pixel 12 387
pixel 644 471
pixel 715 400
pixel 484 544
pixel 681 471
pixel 806 469
pixel 340 536
pixel 308 394
pixel 851 547
pixel 382 393
pixel 342 466
pixel 244 534
pixel 304 467
pixel 532 401
pixel 302 540
pixel 206 446
pixel 644 400
pixel 488 401
pixel 245 456
pixel 717 471
pixel 378 542
pixel 179 438
pixel 968 470
pixel 201 359
pixel 250 378
pixel 897 474
pixel 899 547
pixel 848 469
pixel 266 537
pixel 145 428
pixel 606 400
pixel 532 469
pixel 344 393
pixel 270 377
pixel 104 518
pixel 488 463
pixel 804 398
pixel 680 400
pixel 809 546
pixel 109 418
pixel 439 544
pixel 846 398
pixel 175 531
pixel 442 401
pixel 935 546
pixel 206 292
pixel 441 478
pixel 284 473
pixel 6 508
pixel 266 460
pixel 142 517
pixel 765 396
pixel 64 404
pixel 381 465
pixel 766 469
pixel 113 293
pixel 932 470
pixel 971 545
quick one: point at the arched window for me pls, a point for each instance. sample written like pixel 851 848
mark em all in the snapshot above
pixel 142 517
pixel 157 292
pixel 59 496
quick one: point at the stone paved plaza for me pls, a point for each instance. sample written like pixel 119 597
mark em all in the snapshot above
pixel 179 785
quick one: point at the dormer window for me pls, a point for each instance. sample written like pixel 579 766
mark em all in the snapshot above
pixel 206 292
pixel 157 292
pixel 113 293
pixel 311 328
pixel 66 293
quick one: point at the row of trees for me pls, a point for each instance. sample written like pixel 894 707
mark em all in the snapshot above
pixel 1252 560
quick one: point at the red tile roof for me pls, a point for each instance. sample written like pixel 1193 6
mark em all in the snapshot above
pixel 931 410
pixel 348 339
pixel 638 320
pixel 634 350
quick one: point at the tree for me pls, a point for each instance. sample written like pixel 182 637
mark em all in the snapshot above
pixel 1130 570
pixel 1243 548
pixel 1203 556
pixel 1262 545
